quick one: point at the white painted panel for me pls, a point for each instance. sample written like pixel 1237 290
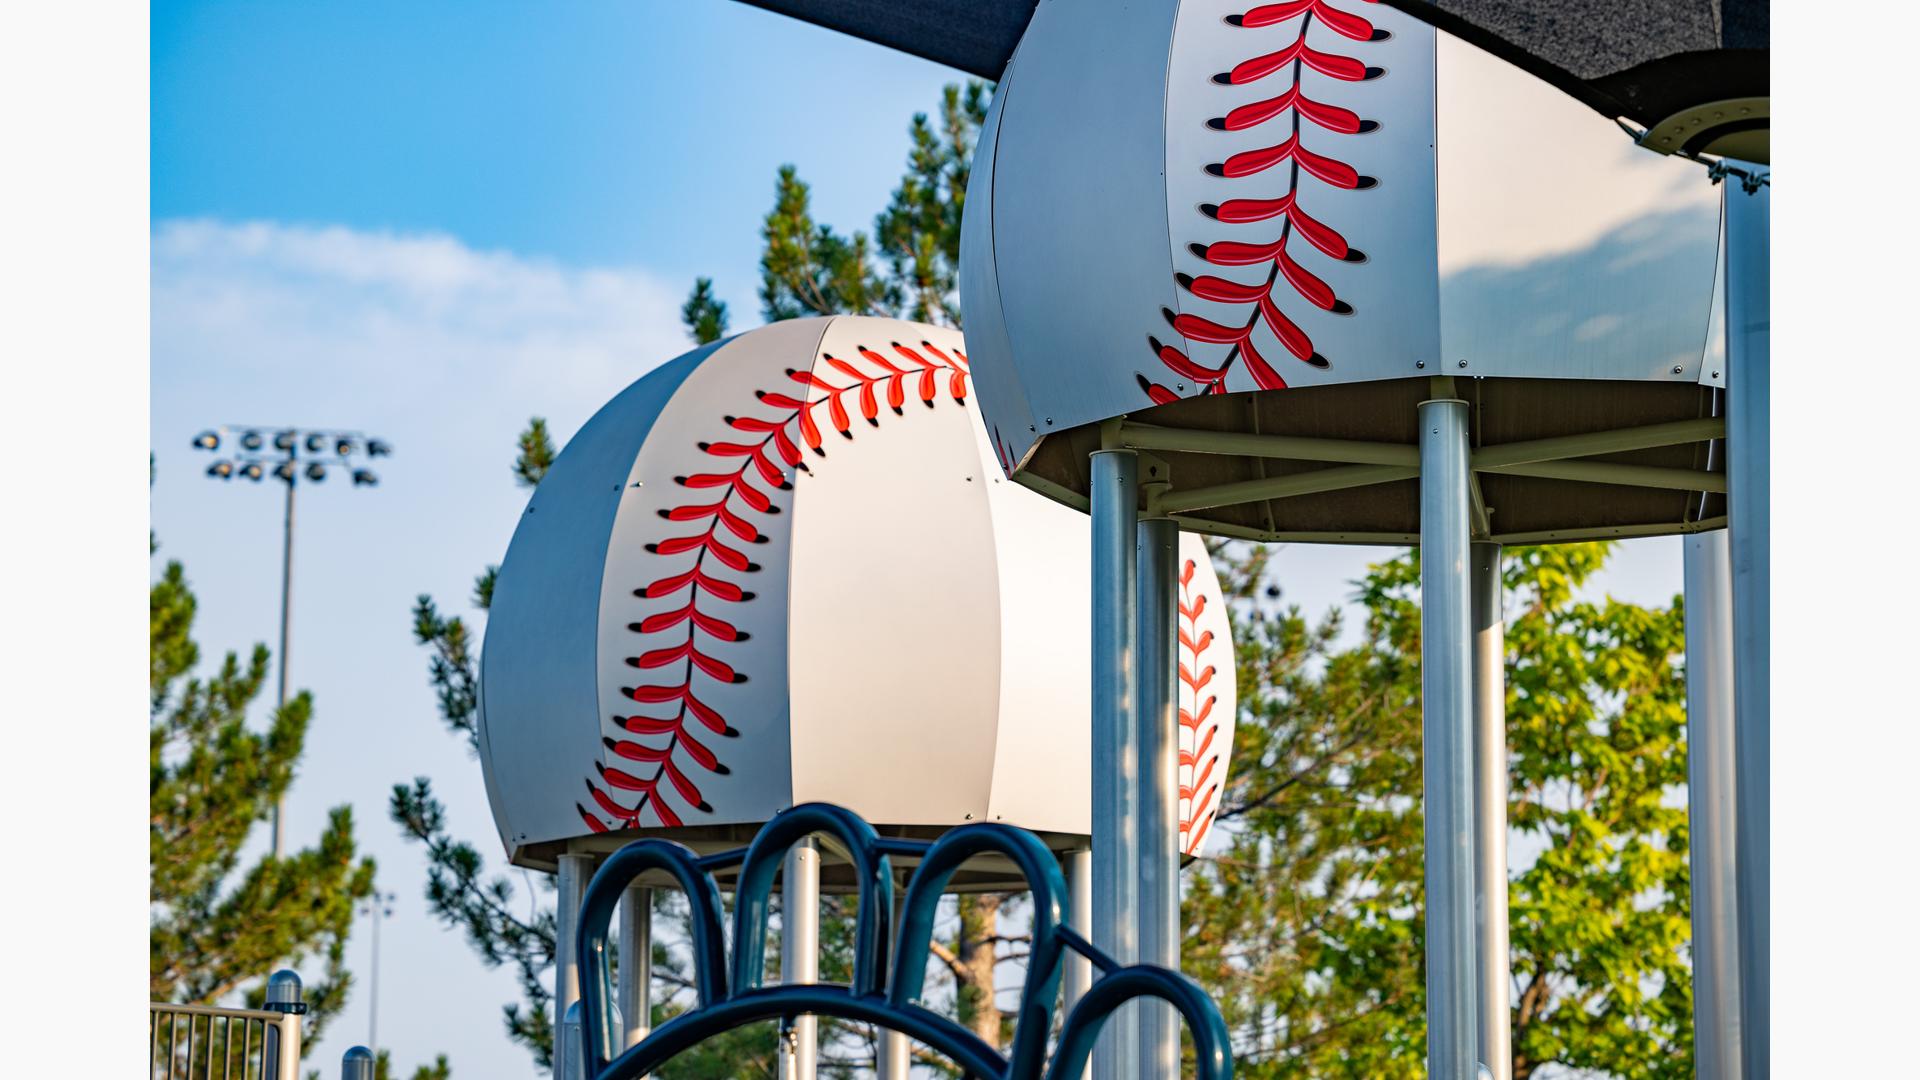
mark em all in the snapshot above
pixel 893 624
pixel 714 745
pixel 1324 138
pixel 1566 251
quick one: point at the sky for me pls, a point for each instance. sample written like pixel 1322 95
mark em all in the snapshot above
pixel 428 222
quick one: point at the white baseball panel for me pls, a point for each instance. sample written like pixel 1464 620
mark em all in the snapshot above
pixel 893 632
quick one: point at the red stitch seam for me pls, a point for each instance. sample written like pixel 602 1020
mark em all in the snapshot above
pixel 1275 255
pixel 735 518
pixel 1197 817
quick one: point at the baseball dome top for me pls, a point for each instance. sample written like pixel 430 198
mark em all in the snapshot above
pixel 1251 238
pixel 783 568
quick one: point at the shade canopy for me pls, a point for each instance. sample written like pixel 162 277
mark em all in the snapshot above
pixel 1289 228
pixel 1662 64
pixel 785 569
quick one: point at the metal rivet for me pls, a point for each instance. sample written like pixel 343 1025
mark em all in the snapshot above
pixel 1049 421
pixel 1676 369
pixel 1463 363
pixel 1419 363
pixel 1716 374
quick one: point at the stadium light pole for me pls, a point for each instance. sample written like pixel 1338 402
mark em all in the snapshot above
pixel 378 906
pixel 294 454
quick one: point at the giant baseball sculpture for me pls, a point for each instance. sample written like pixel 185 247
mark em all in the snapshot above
pixel 1313 271
pixel 785 568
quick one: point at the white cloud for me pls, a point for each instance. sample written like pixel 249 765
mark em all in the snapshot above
pixel 424 312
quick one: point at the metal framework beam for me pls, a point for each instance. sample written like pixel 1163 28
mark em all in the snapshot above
pixel 1610 472
pixel 1337 478
pixel 1285 447
pixel 1612 532
pixel 1489 458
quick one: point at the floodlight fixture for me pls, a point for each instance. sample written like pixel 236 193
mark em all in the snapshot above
pixel 207 440
pixel 221 469
pixel 252 441
pixel 252 470
pixel 315 442
pixel 285 440
pixel 316 472
pixel 364 478
pixel 378 448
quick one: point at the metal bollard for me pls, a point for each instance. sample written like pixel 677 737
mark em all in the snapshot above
pixel 356 1064
pixel 573 1044
pixel 283 1039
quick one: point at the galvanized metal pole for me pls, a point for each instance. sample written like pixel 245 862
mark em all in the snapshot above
pixel 573 873
pixel 800 951
pixel 636 962
pixel 286 615
pixel 1077 867
pixel 1711 813
pixel 285 995
pixel 1494 973
pixel 894 1053
pixel 1749 475
pixel 1446 665
pixel 1114 505
pixel 1157 714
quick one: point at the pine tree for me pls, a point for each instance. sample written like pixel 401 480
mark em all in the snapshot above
pixel 215 928
pixel 704 314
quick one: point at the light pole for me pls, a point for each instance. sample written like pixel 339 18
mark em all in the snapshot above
pixel 379 906
pixel 296 454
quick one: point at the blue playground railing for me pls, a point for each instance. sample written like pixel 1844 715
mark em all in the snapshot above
pixel 730 996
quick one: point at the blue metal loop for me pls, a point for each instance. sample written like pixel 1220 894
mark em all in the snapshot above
pixel 1213 1052
pixel 728 1004
pixel 873 878
pixel 596 917
pixel 1034 1016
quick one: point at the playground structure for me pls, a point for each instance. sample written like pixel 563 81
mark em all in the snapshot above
pixel 784 569
pixel 1398 377
pixel 1321 273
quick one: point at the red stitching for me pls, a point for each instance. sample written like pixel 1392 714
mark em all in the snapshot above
pixel 1197 816
pixel 736 518
pixel 1294 219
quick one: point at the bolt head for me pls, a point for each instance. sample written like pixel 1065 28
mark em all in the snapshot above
pixel 1463 363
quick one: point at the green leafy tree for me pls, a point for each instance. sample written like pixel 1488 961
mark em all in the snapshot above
pixel 1308 927
pixel 704 314
pixel 216 927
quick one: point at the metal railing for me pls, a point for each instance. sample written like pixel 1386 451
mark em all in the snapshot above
pixel 201 1042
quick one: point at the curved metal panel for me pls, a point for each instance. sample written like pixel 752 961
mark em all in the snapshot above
pixel 693 617
pixel 1080 233
pixel 1300 191
pixel 537 671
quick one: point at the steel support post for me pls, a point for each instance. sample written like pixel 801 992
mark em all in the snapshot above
pixel 574 872
pixel 1077 867
pixel 1710 808
pixel 800 953
pixel 286 619
pixel 1113 502
pixel 1494 974
pixel 1446 691
pixel 895 1051
pixel 1749 476
pixel 636 962
pixel 1157 714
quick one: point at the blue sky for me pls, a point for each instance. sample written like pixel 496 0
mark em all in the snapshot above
pixel 429 221
pixel 596 133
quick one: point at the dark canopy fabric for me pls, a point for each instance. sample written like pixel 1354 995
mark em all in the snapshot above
pixel 1642 59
